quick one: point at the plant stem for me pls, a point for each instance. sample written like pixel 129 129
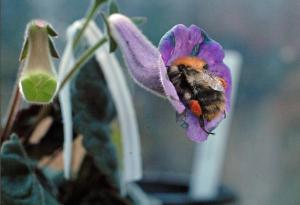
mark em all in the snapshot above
pixel 88 17
pixel 13 108
pixel 11 116
pixel 82 59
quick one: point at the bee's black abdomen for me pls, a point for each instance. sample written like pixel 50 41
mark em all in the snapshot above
pixel 210 96
pixel 212 103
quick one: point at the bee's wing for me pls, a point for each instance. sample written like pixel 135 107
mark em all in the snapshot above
pixel 214 82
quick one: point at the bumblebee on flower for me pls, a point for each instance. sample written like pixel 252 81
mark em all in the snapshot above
pixel 187 68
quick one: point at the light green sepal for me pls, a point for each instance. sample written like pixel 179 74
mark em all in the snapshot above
pixel 38 88
pixel 52 48
pixel 24 50
pixel 51 31
pixel 138 20
pixel 113 7
pixel 112 43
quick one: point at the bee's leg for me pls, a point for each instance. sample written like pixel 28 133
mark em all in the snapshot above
pixel 201 122
pixel 225 115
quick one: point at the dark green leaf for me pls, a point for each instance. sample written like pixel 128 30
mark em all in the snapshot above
pixel 25 124
pixel 25 120
pixel 139 20
pixel 91 187
pixel 52 49
pixel 19 183
pixel 113 7
pixel 112 43
pixel 51 141
pixel 99 2
pixel 24 50
pixel 93 112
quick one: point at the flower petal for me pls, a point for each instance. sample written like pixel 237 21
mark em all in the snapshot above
pixel 212 52
pixel 195 132
pixel 143 59
pixel 170 91
pixel 166 46
pixel 180 41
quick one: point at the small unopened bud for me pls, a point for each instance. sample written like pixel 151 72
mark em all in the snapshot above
pixel 38 82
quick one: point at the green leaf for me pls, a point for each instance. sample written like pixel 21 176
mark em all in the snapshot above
pixel 93 112
pixel 138 20
pixel 112 43
pixel 19 183
pixel 52 48
pixel 24 50
pixel 113 7
pixel 38 88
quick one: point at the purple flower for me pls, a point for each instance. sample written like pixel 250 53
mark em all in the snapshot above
pixel 149 67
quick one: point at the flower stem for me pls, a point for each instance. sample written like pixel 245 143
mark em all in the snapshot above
pixel 12 110
pixel 82 59
pixel 88 17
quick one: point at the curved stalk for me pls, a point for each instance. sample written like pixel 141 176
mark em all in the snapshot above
pixel 12 110
pixel 82 59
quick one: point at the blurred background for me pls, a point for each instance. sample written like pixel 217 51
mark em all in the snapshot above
pixel 262 161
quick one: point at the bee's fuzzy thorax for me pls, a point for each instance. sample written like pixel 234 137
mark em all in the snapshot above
pixel 190 61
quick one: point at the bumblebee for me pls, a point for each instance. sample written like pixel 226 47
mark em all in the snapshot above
pixel 198 89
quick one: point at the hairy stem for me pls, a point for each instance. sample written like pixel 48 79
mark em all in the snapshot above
pixel 91 12
pixel 13 108
pixel 12 113
pixel 82 60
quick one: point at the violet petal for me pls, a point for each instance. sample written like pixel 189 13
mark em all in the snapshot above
pixel 143 59
pixel 195 132
pixel 180 41
pixel 212 52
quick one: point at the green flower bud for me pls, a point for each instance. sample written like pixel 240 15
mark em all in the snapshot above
pixel 38 82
